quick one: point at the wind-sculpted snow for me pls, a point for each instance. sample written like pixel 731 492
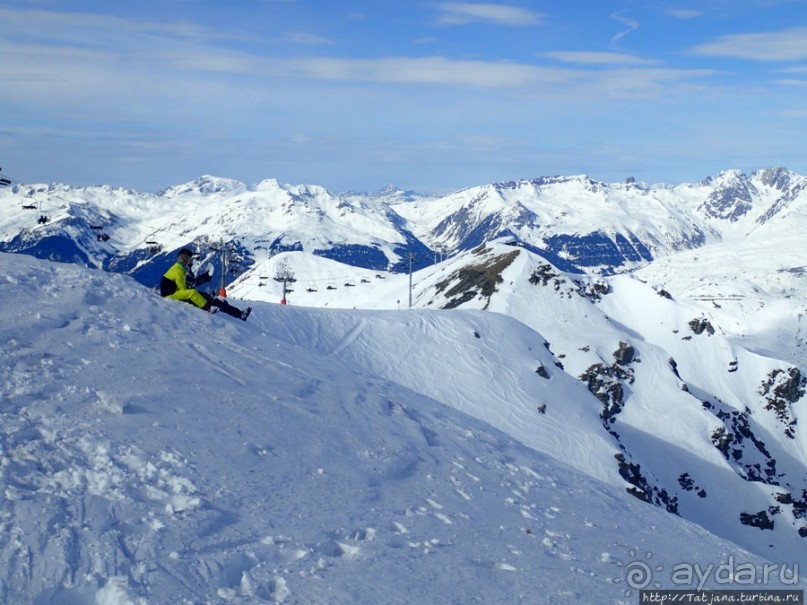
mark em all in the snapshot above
pixel 154 454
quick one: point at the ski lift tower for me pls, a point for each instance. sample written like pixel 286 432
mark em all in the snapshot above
pixel 410 257
pixel 286 276
pixel 224 250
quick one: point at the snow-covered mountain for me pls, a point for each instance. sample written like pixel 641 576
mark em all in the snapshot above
pixel 692 406
pixel 649 338
pixel 578 224
pixel 154 454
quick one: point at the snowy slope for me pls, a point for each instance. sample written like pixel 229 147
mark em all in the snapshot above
pixel 711 426
pixel 753 290
pixel 155 454
pixel 695 418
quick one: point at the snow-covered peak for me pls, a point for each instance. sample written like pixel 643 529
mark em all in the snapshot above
pixel 389 190
pixel 777 178
pixel 267 185
pixel 205 185
pixel 389 194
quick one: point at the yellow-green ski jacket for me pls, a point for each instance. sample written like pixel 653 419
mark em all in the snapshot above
pixel 173 285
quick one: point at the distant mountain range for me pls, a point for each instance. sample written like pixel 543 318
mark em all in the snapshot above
pixel 576 223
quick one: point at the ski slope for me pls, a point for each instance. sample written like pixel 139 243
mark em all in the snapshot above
pixel 691 415
pixel 154 454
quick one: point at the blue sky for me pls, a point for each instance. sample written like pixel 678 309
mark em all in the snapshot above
pixel 430 95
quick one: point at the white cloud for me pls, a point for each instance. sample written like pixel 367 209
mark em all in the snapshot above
pixel 79 69
pixel 792 82
pixel 462 13
pixel 88 30
pixel 683 13
pixel 549 82
pixel 784 45
pixel 597 58
pixel 424 70
pixel 57 73
pixel 306 39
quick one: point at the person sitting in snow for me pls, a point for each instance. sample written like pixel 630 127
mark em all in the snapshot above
pixel 179 283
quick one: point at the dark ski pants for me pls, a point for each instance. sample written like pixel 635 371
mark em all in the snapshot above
pixel 222 304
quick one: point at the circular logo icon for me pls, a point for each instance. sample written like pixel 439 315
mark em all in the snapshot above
pixel 637 573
